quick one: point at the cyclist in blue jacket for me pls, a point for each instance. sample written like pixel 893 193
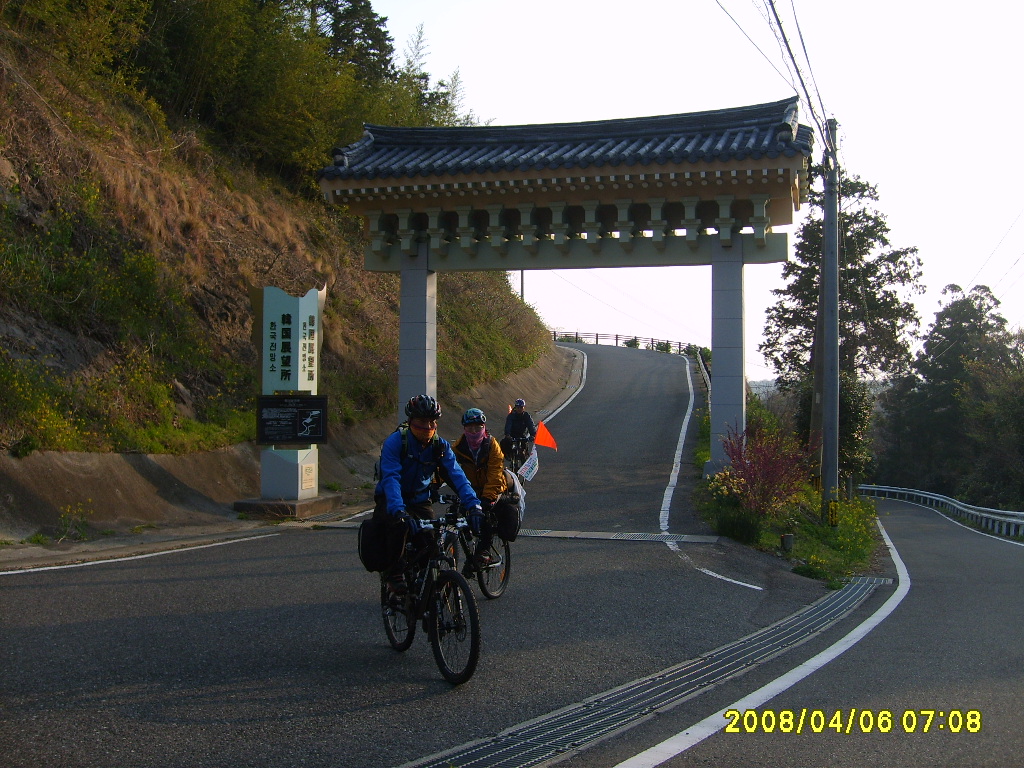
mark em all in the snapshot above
pixel 410 458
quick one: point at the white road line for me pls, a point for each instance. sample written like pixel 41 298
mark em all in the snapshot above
pixel 681 742
pixel 726 578
pixel 176 550
pixel 666 501
pixel 583 381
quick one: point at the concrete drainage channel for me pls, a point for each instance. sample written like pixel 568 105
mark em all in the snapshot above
pixel 572 729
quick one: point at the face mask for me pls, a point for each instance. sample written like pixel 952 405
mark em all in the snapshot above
pixel 475 439
pixel 423 435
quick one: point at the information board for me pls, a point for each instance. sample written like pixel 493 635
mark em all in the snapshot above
pixel 291 419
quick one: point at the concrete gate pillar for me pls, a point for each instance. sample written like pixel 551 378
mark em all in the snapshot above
pixel 417 333
pixel 728 380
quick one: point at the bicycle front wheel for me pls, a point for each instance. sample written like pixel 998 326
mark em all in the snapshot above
pixel 399 621
pixel 454 627
pixel 450 547
pixel 493 577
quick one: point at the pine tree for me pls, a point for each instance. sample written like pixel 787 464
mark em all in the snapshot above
pixel 876 320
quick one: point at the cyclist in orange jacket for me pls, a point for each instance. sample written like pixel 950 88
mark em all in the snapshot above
pixel 481 458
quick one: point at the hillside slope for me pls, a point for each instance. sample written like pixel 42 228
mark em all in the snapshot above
pixel 127 251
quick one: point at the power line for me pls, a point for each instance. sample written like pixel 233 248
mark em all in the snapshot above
pixel 993 252
pixel 741 29
pixel 595 298
pixel 647 307
pixel 807 58
pixel 810 103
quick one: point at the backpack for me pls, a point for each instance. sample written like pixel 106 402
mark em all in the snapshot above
pixel 440 476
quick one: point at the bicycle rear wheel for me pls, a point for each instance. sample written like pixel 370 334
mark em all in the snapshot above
pixel 454 628
pixel 399 621
pixel 494 577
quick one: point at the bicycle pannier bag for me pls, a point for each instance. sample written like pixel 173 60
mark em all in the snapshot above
pixel 374 553
pixel 510 513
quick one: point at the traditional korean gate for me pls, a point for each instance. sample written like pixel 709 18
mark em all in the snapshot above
pixel 702 188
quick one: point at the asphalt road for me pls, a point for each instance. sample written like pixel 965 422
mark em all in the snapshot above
pixel 271 652
pixel 946 663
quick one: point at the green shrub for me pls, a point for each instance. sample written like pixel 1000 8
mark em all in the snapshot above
pixel 720 501
pixel 74 522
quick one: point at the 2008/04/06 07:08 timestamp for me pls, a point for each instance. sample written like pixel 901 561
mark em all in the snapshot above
pixel 852 721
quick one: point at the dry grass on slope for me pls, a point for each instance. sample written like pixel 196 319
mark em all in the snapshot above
pixel 93 174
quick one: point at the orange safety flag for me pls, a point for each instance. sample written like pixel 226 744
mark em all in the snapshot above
pixel 544 437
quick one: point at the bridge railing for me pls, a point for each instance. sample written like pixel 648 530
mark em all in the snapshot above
pixel 1000 521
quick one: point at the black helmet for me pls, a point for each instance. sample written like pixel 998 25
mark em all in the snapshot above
pixel 473 416
pixel 422 407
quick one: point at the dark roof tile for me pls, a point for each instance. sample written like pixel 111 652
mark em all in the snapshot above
pixel 758 131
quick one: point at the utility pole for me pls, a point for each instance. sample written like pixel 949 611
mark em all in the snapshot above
pixel 830 327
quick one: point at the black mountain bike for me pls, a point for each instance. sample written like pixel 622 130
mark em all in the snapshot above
pixel 440 598
pixel 493 568
pixel 518 452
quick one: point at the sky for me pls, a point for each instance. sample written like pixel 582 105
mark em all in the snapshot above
pixel 924 95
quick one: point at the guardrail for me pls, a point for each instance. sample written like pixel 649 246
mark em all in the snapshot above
pixel 704 372
pixel 1000 521
pixel 618 340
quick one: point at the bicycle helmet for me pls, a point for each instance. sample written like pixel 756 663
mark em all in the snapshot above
pixel 473 416
pixel 520 403
pixel 423 407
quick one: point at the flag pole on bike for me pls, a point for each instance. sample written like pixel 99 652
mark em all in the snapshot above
pixel 522 435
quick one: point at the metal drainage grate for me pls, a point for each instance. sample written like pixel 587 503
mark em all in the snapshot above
pixel 573 729
pixel 658 537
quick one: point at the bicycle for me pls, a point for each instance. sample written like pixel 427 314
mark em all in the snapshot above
pixel 518 452
pixel 440 598
pixel 495 569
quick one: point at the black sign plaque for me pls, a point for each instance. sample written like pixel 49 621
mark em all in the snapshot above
pixel 291 419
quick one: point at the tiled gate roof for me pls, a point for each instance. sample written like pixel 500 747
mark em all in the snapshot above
pixel 752 132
